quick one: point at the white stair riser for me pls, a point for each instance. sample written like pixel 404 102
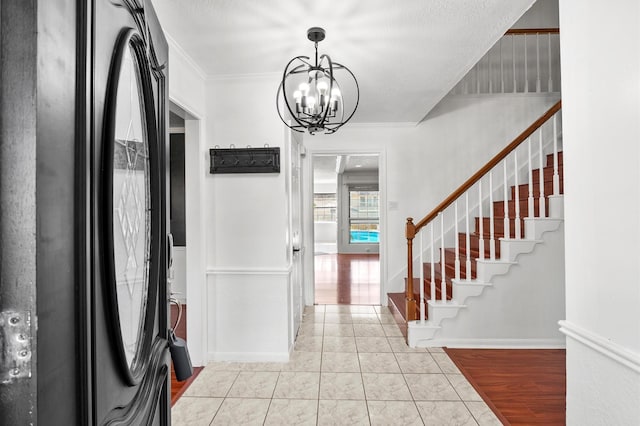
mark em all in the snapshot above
pixel 417 332
pixel 534 228
pixel 462 290
pixel 439 311
pixel 487 269
pixel 510 249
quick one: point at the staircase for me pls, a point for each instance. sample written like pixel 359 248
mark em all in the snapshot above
pixel 465 259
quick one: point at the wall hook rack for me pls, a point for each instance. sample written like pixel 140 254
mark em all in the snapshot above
pixel 244 160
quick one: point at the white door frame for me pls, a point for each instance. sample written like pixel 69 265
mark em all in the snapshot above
pixel 307 214
pixel 195 169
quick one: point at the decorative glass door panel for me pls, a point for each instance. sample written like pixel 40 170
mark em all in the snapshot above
pixel 131 207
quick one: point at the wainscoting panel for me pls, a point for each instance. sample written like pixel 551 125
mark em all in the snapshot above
pixel 249 314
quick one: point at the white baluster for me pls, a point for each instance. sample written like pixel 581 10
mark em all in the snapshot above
pixel 526 67
pixel 489 75
pixel 443 272
pixel 507 233
pixel 530 201
pixel 480 221
pixel 468 238
pixel 457 261
pixel 433 265
pixel 513 57
pixel 538 62
pixel 550 76
pixel 467 84
pixel 518 226
pixel 556 175
pixel 492 236
pixel 542 206
pixel 421 248
pixel 501 68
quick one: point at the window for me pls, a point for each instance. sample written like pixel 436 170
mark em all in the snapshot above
pixel 364 215
pixel 324 207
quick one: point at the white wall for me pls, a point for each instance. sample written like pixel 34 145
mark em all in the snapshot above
pixel 249 250
pixel 248 214
pixel 179 282
pixel 601 110
pixel 416 171
pixel 325 237
pixel 186 80
pixel 542 14
pixel 325 233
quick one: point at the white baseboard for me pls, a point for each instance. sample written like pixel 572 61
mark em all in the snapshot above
pixel 558 343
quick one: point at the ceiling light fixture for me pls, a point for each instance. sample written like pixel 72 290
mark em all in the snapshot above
pixel 311 93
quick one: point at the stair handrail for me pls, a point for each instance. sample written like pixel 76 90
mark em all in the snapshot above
pixel 412 229
pixel 514 31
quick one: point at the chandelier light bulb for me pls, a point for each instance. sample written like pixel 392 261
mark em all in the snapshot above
pixel 311 102
pixel 322 87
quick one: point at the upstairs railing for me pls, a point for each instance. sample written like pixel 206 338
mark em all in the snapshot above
pixel 513 166
pixel 522 61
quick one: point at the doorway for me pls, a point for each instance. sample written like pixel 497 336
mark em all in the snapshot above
pixel 346 219
pixel 184 218
pixel 177 219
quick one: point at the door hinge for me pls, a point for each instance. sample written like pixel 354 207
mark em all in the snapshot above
pixel 15 340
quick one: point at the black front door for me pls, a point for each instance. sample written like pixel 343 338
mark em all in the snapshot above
pixel 83 223
pixel 127 354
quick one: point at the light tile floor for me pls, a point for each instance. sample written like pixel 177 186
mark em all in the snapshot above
pixel 350 366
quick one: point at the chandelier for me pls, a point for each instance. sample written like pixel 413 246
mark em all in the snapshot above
pixel 312 94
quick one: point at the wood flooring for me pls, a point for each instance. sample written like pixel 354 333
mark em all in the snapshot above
pixel 178 388
pixel 522 387
pixel 347 279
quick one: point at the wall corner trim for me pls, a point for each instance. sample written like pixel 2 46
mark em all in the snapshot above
pixel 604 346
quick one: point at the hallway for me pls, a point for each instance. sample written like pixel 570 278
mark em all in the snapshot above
pixel 347 279
pixel 350 366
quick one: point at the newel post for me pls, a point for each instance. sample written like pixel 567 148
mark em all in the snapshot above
pixel 410 301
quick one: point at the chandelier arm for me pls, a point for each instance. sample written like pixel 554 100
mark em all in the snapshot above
pixel 294 127
pixel 284 90
pixel 357 96
pixel 296 71
pixel 303 61
pixel 278 107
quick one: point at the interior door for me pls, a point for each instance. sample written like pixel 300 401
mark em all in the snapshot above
pixel 296 231
pixel 128 357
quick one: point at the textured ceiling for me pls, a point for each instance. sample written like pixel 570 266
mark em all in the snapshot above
pixel 325 167
pixel 405 54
